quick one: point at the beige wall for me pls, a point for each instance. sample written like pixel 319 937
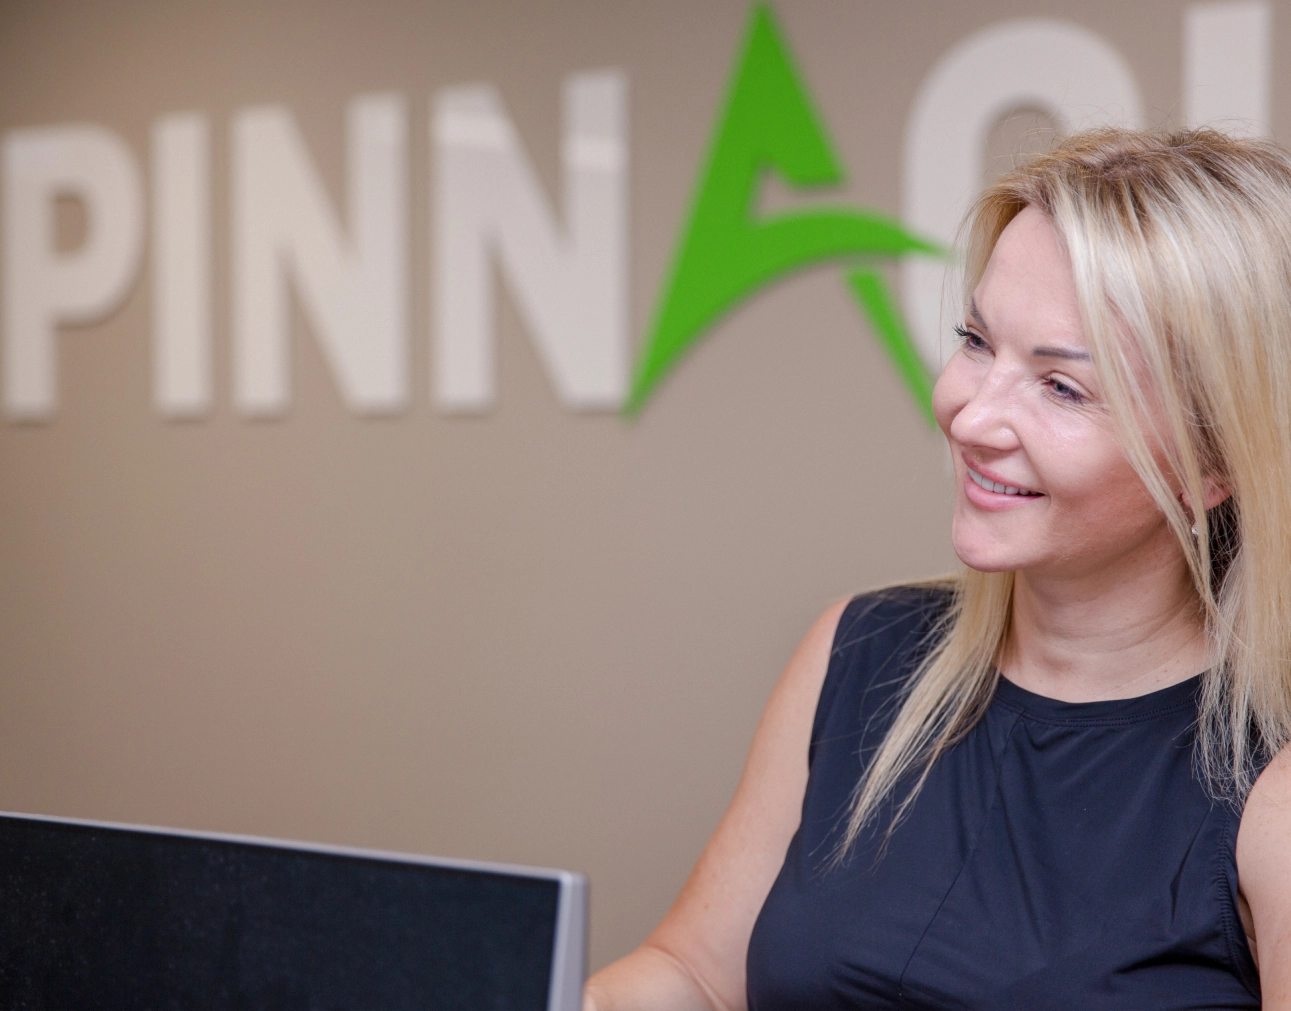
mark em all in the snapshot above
pixel 532 636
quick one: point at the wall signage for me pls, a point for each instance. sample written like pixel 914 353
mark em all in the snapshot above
pixel 567 269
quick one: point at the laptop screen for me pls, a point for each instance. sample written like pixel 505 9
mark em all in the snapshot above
pixel 95 916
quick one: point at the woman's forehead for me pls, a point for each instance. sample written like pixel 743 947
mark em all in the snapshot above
pixel 1027 291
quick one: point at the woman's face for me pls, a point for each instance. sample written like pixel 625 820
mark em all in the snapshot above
pixel 1042 483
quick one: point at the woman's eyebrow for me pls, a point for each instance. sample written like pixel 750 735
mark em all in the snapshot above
pixel 1069 354
pixel 1044 351
pixel 976 315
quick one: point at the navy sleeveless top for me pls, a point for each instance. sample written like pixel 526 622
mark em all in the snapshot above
pixel 1061 855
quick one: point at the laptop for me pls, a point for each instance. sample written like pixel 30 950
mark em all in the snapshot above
pixel 104 916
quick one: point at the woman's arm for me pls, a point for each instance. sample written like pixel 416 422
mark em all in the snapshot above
pixel 695 957
pixel 1264 871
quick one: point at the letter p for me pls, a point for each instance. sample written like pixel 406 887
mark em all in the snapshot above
pixel 42 286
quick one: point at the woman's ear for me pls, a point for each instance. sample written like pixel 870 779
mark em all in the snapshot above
pixel 1213 492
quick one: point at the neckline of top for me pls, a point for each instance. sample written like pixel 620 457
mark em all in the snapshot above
pixel 1139 707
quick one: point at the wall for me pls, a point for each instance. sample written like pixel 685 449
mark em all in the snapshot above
pixel 529 634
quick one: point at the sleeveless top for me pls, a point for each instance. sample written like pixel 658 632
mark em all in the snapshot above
pixel 1060 855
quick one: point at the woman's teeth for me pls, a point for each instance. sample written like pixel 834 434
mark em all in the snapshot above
pixel 995 486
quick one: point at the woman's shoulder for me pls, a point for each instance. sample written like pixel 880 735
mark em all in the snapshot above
pixel 882 621
pixel 1264 868
pixel 879 640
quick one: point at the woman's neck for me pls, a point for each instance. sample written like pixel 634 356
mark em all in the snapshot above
pixel 1111 635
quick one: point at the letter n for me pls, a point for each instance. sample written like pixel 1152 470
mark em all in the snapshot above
pixel 353 288
pixel 570 284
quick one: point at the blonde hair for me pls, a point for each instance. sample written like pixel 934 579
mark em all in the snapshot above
pixel 1180 246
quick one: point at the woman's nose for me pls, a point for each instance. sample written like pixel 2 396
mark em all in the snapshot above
pixel 987 416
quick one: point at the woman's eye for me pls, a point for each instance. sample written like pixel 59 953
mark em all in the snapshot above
pixel 971 341
pixel 1061 391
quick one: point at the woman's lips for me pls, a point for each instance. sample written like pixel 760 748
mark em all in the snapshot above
pixel 998 487
pixel 979 489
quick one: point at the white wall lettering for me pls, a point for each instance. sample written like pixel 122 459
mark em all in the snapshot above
pixel 1227 66
pixel 354 291
pixel 181 265
pixel 565 260
pixel 1061 68
pixel 42 286
pixel 570 284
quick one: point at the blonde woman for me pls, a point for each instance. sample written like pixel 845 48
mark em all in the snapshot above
pixel 1054 781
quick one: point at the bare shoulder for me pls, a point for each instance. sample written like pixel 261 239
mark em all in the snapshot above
pixel 1266 825
pixel 775 771
pixel 1264 872
pixel 903 609
pixel 696 957
pixel 705 935
pixel 804 674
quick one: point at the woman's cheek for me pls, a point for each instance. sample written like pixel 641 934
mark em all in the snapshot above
pixel 1100 502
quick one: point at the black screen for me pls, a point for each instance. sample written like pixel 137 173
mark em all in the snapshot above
pixel 111 918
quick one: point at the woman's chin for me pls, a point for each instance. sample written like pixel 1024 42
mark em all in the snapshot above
pixel 986 557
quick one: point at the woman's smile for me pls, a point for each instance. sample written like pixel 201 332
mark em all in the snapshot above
pixel 998 488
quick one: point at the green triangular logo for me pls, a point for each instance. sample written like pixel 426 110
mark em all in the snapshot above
pixel 768 123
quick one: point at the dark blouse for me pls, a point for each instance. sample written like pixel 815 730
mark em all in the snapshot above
pixel 1061 855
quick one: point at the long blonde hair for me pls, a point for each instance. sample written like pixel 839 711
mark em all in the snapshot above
pixel 1180 245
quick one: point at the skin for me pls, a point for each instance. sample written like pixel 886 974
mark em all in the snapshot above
pixel 1104 604
pixel 1103 610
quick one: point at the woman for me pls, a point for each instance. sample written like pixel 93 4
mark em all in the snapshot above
pixel 1055 781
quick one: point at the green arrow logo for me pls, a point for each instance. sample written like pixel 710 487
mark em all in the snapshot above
pixel 769 122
